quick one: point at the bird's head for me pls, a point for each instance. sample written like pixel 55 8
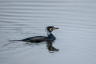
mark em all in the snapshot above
pixel 51 28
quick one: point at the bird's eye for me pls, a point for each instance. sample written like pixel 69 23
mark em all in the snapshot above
pixel 51 29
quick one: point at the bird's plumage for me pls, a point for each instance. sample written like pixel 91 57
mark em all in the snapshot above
pixel 49 37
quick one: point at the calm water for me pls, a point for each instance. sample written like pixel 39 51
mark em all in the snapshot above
pixel 76 37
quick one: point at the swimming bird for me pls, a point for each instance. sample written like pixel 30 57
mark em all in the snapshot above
pixel 49 37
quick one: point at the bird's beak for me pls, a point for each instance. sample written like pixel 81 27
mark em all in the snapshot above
pixel 56 28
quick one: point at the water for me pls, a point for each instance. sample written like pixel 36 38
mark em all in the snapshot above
pixel 76 37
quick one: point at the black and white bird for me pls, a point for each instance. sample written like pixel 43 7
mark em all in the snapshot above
pixel 49 37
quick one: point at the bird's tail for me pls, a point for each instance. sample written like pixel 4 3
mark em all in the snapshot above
pixel 15 40
pixel 11 41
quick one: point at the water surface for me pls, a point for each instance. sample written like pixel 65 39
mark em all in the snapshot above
pixel 76 37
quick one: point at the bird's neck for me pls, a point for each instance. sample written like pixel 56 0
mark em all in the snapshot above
pixel 51 36
pixel 49 33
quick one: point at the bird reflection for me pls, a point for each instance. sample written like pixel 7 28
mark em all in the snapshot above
pixel 50 46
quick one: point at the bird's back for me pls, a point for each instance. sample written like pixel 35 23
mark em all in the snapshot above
pixel 35 39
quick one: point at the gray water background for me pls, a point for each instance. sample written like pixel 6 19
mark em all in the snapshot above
pixel 76 37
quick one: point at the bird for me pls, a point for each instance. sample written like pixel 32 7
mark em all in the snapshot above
pixel 49 37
